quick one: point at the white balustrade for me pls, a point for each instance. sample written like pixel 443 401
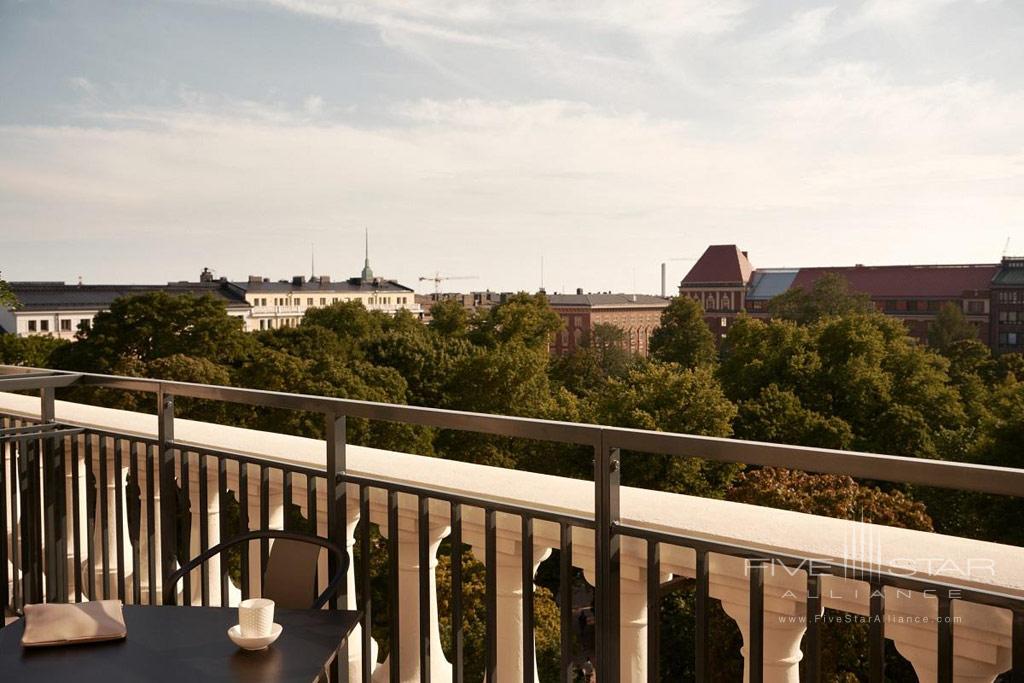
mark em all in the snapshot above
pixel 982 635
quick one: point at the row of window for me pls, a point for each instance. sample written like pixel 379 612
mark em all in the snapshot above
pixel 65 324
pixel 1013 296
pixel 297 301
pixel 976 307
pixel 1011 317
pixel 1009 339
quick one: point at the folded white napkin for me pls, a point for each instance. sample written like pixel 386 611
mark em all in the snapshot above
pixel 60 624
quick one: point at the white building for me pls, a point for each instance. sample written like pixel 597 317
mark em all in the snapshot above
pixel 58 309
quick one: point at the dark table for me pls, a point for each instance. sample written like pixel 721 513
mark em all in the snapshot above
pixel 183 645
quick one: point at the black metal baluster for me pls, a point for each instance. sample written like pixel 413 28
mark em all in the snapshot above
pixel 700 643
pixel 76 516
pixel 876 634
pixel 458 638
pixel 5 598
pixel 526 537
pixel 945 638
pixel 264 519
pixel 811 662
pixel 184 525
pixel 104 521
pixel 243 525
pixel 151 537
pixel 204 527
pixel 134 530
pixel 366 593
pixel 755 651
pixel 1017 643
pixel 17 587
pixel 653 611
pixel 565 600
pixel 491 591
pixel 119 514
pixel 393 593
pixel 61 567
pixel 222 524
pixel 311 511
pixel 423 527
pixel 286 502
pixel 90 517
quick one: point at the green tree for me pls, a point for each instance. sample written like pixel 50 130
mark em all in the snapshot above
pixel 777 416
pixel 523 318
pixel 667 397
pixel 349 320
pixel 949 327
pixel 600 356
pixel 7 297
pixel 33 351
pixel 149 326
pixel 895 396
pixel 682 336
pixel 829 296
pixel 449 318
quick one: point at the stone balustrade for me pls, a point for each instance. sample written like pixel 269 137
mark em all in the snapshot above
pixel 982 634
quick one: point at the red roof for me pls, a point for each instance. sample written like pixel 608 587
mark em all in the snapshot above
pixel 720 264
pixel 907 281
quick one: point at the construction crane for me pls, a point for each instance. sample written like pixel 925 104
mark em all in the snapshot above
pixel 664 265
pixel 437 279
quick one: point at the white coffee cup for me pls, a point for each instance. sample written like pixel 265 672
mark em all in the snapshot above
pixel 256 617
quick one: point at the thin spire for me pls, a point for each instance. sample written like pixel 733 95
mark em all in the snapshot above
pixel 312 261
pixel 367 271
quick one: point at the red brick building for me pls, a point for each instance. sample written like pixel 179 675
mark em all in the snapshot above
pixel 991 295
pixel 636 314
pixel 1007 326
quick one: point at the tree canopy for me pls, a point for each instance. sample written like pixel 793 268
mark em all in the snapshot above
pixel 682 336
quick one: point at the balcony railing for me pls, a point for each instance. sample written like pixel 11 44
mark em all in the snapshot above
pixel 104 503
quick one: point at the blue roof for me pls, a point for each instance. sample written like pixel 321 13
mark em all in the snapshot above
pixel 768 283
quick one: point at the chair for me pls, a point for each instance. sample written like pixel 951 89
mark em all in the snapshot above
pixel 291 568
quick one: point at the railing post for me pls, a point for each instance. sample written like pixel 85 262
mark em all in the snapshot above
pixel 168 493
pixel 337 513
pixel 54 521
pixel 606 515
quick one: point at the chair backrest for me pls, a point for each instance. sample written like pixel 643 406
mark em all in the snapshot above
pixel 290 579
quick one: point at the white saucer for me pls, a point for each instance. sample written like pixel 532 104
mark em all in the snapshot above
pixel 256 643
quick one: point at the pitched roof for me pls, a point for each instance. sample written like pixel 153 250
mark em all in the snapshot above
pixel 351 285
pixel 607 300
pixel 769 282
pixel 907 281
pixel 720 264
pixel 1011 273
pixel 42 296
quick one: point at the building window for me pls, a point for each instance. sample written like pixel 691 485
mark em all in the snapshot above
pixel 44 325
pixel 65 325
pixel 723 322
pixel 85 324
pixel 976 307
pixel 31 325
pixel 309 301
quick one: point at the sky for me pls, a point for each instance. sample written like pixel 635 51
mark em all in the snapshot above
pixel 143 141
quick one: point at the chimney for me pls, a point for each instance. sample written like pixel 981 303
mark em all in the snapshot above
pixel 297 280
pixel 579 290
pixel 253 279
pixel 325 279
pixel 206 275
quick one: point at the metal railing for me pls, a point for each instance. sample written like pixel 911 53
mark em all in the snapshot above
pixel 38 455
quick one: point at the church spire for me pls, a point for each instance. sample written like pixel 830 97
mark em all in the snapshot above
pixel 367 271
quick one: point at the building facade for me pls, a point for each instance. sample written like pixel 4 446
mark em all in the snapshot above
pixel 60 310
pixel 1007 325
pixel 991 295
pixel 637 315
